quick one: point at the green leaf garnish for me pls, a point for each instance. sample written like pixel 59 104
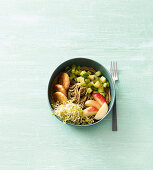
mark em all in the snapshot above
pixel 85 75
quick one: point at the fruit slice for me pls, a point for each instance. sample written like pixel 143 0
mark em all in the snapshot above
pixel 102 111
pixel 90 111
pixel 60 97
pixel 60 88
pixel 99 98
pixel 93 103
pixel 64 80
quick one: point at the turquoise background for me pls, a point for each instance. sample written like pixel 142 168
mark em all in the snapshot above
pixel 35 37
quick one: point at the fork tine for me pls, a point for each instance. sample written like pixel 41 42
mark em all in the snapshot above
pixel 111 68
pixel 116 70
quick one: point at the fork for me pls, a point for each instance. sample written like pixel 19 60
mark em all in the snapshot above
pixel 113 71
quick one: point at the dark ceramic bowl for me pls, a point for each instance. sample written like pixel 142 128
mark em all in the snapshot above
pixel 88 63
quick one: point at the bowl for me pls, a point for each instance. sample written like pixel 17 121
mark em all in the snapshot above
pixel 83 62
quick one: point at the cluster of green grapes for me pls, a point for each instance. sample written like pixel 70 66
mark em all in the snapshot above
pixel 95 83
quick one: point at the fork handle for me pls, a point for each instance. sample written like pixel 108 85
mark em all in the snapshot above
pixel 114 117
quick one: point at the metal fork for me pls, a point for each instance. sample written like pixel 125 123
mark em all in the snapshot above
pixel 113 71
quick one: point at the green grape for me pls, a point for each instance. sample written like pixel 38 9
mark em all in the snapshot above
pixel 91 84
pixel 77 72
pixel 82 73
pixel 83 83
pixel 89 72
pixel 103 79
pixel 106 84
pixel 91 77
pixel 98 73
pixel 80 79
pixel 89 90
pixel 87 81
pixel 97 84
pixel 96 78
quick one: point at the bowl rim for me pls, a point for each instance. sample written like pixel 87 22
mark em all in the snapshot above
pixel 113 100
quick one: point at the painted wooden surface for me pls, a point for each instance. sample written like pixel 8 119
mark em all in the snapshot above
pixel 35 37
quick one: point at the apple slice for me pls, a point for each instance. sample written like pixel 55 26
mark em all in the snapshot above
pixel 99 98
pixel 90 111
pixel 102 111
pixel 93 103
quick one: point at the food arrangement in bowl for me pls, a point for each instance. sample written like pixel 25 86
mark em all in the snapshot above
pixel 80 95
